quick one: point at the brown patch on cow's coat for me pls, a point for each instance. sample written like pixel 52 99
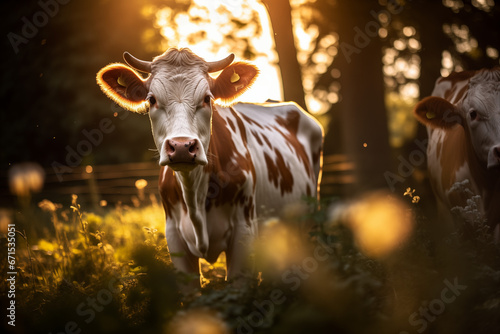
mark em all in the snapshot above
pixel 228 168
pixel 248 211
pixel 286 184
pixel 279 173
pixel 257 137
pixel 291 123
pixel 453 155
pixel 272 170
pixel 456 92
pixel 241 126
pixel 268 142
pixel 231 124
pixel 455 77
pixel 453 96
pixel 170 191
pixel 251 121
pixel 316 156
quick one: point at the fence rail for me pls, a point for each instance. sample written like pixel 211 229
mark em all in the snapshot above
pixel 114 183
pixel 338 175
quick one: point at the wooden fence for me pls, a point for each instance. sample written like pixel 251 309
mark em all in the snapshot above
pixel 338 175
pixel 114 183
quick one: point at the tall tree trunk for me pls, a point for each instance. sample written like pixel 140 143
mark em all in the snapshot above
pixel 281 22
pixel 362 107
pixel 433 41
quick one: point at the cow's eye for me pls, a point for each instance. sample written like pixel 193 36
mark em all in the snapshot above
pixel 473 115
pixel 207 99
pixel 151 99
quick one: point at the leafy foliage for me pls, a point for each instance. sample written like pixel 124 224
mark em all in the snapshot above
pixel 111 272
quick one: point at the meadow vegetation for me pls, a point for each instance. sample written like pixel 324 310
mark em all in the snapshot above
pixel 110 272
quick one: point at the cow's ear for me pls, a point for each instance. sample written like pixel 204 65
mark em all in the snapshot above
pixel 124 86
pixel 437 113
pixel 234 81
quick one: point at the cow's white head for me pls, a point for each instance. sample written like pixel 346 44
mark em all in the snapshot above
pixel 179 96
pixel 478 112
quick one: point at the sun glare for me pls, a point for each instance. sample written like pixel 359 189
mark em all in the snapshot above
pixel 320 52
pixel 401 73
pixel 214 29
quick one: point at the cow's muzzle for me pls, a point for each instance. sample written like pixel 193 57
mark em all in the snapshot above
pixel 183 152
pixel 494 157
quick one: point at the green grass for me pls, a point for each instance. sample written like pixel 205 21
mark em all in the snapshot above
pixel 110 272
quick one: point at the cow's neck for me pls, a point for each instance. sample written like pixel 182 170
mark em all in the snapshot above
pixel 482 177
pixel 194 186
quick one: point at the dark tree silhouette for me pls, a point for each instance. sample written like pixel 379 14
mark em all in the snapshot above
pixel 360 114
pixel 361 108
pixel 281 21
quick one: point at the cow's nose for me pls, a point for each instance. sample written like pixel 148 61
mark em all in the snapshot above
pixel 182 149
pixel 494 157
pixel 496 152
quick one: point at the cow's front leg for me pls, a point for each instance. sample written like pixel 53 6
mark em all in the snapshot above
pixel 188 265
pixel 183 260
pixel 240 265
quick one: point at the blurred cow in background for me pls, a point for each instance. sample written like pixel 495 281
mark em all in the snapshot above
pixel 463 155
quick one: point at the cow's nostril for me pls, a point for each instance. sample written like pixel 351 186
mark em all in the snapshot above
pixel 496 151
pixel 170 147
pixel 192 149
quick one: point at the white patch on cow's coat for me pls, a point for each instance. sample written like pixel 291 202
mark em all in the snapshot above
pixel 436 137
pixel 261 120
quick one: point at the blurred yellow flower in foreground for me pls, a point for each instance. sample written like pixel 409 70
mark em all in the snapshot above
pixel 5 220
pixel 198 322
pixel 26 178
pixel 141 184
pixel 279 244
pixel 48 206
pixel 380 223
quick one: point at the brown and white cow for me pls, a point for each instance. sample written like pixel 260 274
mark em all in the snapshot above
pixel 463 124
pixel 221 167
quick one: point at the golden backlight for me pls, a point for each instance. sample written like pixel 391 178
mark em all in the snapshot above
pixel 214 29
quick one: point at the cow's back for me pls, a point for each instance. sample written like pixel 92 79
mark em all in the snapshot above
pixel 286 149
